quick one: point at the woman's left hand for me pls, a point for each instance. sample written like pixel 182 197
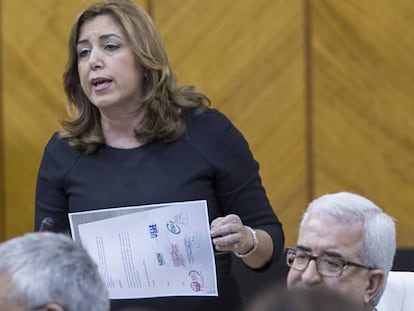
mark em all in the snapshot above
pixel 229 234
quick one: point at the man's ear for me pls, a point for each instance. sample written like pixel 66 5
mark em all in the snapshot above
pixel 53 307
pixel 375 282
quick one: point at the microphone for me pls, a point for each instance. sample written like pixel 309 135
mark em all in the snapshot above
pixel 47 224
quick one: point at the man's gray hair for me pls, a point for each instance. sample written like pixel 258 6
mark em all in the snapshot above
pixel 379 237
pixel 51 268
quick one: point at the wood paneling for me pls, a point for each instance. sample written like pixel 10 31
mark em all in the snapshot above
pixel 363 77
pixel 247 56
pixel 251 58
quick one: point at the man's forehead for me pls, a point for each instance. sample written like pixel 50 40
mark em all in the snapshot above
pixel 323 234
pixel 323 222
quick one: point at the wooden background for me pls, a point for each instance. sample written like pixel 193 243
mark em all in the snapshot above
pixel 323 90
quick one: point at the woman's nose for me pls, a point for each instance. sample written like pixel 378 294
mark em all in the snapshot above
pixel 95 60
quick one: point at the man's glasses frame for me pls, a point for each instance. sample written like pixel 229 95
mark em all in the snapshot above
pixel 325 264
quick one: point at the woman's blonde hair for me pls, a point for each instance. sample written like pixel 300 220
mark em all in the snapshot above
pixel 163 101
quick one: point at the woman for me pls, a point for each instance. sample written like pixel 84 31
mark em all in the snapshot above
pixel 137 138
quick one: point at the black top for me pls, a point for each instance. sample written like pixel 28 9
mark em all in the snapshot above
pixel 210 161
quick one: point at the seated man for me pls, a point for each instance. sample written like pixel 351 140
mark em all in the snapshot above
pixel 345 243
pixel 49 272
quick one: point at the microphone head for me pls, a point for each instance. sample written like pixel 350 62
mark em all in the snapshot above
pixel 47 224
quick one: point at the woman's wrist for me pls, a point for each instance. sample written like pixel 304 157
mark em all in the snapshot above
pixel 253 248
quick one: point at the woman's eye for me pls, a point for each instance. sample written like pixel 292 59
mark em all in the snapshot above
pixel 111 47
pixel 83 53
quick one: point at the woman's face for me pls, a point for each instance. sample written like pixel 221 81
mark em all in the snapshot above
pixel 108 72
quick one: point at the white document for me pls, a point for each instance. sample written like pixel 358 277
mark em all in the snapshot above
pixel 152 250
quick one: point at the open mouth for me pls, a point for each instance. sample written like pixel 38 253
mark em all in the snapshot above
pixel 101 84
pixel 100 81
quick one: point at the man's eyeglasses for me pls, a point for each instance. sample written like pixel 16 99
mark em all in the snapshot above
pixel 326 265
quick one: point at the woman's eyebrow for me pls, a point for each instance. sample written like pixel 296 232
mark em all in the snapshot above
pixel 101 38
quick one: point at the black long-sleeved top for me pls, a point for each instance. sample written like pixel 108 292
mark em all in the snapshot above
pixel 210 161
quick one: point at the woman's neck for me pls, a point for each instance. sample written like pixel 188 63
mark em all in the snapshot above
pixel 118 129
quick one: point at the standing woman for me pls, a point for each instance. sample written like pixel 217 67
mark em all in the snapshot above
pixel 137 138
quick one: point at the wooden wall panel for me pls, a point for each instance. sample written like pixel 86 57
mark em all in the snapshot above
pixel 34 43
pixel 363 77
pixel 247 56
